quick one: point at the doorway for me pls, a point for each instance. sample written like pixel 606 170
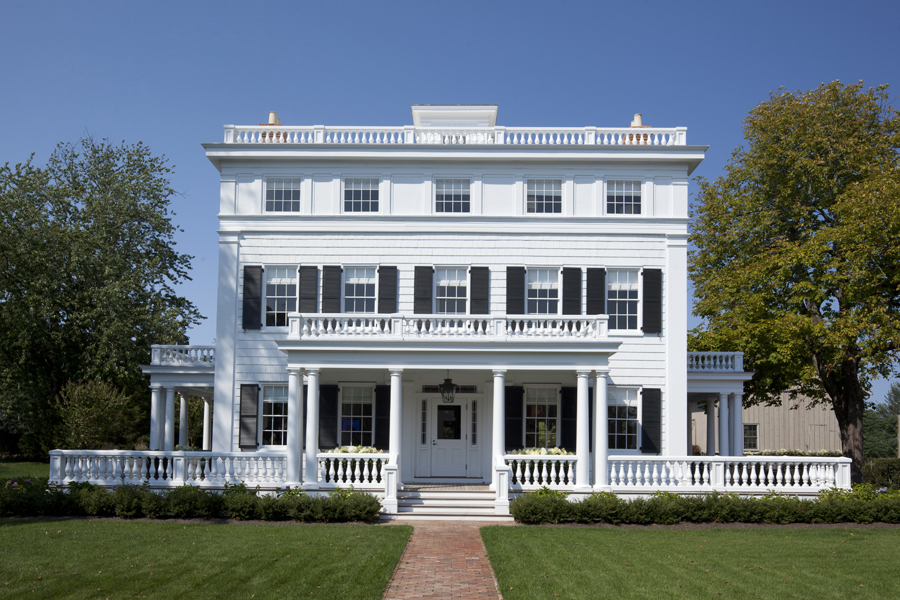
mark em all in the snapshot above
pixel 448 445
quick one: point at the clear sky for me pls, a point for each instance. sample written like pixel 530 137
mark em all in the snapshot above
pixel 171 74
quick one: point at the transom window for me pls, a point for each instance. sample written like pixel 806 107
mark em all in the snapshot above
pixel 451 290
pixel 359 289
pixel 622 299
pixel 543 291
pixel 356 416
pixel 544 196
pixel 360 195
pixel 283 195
pixel 281 295
pixel 623 198
pixel 541 417
pixel 451 195
pixel 274 415
pixel 622 423
pixel 751 436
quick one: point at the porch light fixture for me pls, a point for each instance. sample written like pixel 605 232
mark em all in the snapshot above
pixel 447 390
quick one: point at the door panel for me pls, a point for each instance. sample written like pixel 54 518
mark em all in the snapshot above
pixel 448 443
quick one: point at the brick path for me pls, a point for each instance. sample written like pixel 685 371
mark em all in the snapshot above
pixel 444 559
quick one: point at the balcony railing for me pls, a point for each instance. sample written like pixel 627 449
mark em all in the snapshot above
pixel 716 362
pixel 448 327
pixel 409 135
pixel 195 356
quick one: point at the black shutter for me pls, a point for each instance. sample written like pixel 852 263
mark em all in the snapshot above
pixel 481 290
pixel 328 417
pixel 309 285
pixel 652 301
pixel 387 290
pixel 382 439
pixel 515 290
pixel 514 408
pixel 303 402
pixel 422 288
pixel 567 436
pixel 596 291
pixel 252 313
pixel 651 421
pixel 331 289
pixel 571 291
pixel 249 420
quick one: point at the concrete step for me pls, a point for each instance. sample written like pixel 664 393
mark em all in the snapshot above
pixel 447 510
pixel 446 502
pixel 486 496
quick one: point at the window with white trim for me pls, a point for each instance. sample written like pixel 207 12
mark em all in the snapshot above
pixel 623 197
pixel 451 196
pixel 357 421
pixel 544 196
pixel 622 297
pixel 751 436
pixel 281 295
pixel 274 415
pixel 359 289
pixel 541 417
pixel 542 291
pixel 283 194
pixel 623 422
pixel 361 195
pixel 451 290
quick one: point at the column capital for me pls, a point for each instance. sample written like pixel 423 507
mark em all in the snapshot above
pixel 583 373
pixel 601 372
pixel 311 371
pixel 498 372
pixel 395 371
pixel 297 370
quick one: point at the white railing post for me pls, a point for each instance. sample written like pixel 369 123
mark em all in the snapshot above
pixel 717 475
pixel 56 462
pixel 409 134
pixel 681 136
pixel 229 134
pixel 390 474
pixel 178 469
pixel 501 477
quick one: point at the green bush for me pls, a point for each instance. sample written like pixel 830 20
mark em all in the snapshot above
pixel 128 500
pixel 883 472
pixel 92 500
pixel 240 502
pixel 604 507
pixel 190 502
pixel 542 506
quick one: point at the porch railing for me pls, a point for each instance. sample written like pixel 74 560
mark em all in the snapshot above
pixel 199 356
pixel 530 472
pixel 716 362
pixel 362 471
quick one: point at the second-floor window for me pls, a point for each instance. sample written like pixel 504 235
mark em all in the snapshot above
pixel 451 291
pixel 359 289
pixel 623 198
pixel 281 295
pixel 451 196
pixel 360 195
pixel 622 298
pixel 544 196
pixel 282 195
pixel 543 291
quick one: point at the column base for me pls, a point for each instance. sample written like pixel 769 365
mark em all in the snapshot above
pixel 583 489
pixel 601 488
pixel 389 506
pixel 501 507
pixel 308 485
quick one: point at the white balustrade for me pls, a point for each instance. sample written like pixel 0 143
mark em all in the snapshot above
pixel 343 469
pixel 533 471
pixel 174 355
pixel 716 362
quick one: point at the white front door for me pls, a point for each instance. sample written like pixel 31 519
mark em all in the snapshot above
pixel 448 438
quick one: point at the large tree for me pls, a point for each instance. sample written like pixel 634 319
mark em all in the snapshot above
pixel 87 269
pixel 797 259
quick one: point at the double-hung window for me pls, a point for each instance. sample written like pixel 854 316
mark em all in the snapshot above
pixel 283 194
pixel 274 415
pixel 281 295
pixel 357 421
pixel 622 299
pixel 544 196
pixel 451 290
pixel 543 291
pixel 361 195
pixel 541 417
pixel 451 196
pixel 751 436
pixel 622 418
pixel 623 198
pixel 359 289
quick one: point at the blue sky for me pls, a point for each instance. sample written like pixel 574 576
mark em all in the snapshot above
pixel 171 74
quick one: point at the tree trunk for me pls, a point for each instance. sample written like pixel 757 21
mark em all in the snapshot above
pixel 849 403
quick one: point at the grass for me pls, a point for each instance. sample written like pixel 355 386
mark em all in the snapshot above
pixel 12 469
pixel 102 559
pixel 548 562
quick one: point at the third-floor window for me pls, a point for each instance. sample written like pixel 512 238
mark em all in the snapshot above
pixel 361 195
pixel 451 196
pixel 544 196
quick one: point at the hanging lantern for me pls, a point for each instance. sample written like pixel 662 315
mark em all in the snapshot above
pixel 447 390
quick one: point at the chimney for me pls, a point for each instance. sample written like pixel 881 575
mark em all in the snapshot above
pixel 273 118
pixel 638 121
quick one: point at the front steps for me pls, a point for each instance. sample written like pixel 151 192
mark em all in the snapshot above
pixel 446 502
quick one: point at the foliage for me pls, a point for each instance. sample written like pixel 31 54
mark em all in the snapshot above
pixel 880 425
pixel 784 452
pixel 883 472
pixel 541 452
pixel 89 264
pixel 95 414
pixel 540 508
pixel 797 259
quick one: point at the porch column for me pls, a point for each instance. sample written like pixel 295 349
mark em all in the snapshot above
pixel 737 417
pixel 582 431
pixel 311 470
pixel 396 416
pixel 207 413
pixel 710 427
pixel 154 417
pixel 294 433
pixel 498 440
pixel 601 437
pixel 183 421
pixel 724 446
pixel 169 439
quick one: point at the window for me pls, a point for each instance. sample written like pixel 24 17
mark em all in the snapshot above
pixel 474 422
pixel 281 295
pixel 274 415
pixel 356 416
pixel 751 436
pixel 451 195
pixel 541 412
pixel 283 195
pixel 623 198
pixel 622 299
pixel 360 195
pixel 544 196
pixel 622 423
pixel 450 291
pixel 543 291
pixel 359 289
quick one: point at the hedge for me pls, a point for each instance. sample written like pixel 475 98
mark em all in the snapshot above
pixel 20 497
pixel 883 472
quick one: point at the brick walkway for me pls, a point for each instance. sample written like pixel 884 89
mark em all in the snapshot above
pixel 444 559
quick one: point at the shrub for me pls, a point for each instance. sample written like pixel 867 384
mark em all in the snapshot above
pixel 541 507
pixel 883 472
pixel 602 507
pixel 240 502
pixel 189 502
pixel 127 501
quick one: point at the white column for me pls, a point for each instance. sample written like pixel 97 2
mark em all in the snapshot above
pixel 183 421
pixel 169 438
pixel 582 431
pixel 294 426
pixel 154 417
pixel 207 430
pixel 311 470
pixel 601 437
pixel 710 427
pixel 396 419
pixel 498 434
pixel 724 447
pixel 737 418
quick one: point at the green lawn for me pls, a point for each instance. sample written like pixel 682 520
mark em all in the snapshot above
pixel 778 563
pixel 24 469
pixel 121 559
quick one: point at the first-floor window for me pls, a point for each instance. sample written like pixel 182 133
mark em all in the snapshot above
pixel 751 436
pixel 541 417
pixel 356 415
pixel 274 415
pixel 622 299
pixel 359 289
pixel 622 422
pixel 281 295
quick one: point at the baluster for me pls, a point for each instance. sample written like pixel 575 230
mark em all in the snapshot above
pixel 804 475
pixel 621 478
pixel 629 476
pixel 556 474
pixel 770 477
pixel 656 475
pixel 704 473
pixel 229 461
pixel 517 468
pixel 646 480
pixel 357 471
pixel 335 470
pixel 542 477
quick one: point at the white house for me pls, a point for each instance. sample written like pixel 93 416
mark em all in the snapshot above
pixel 451 293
